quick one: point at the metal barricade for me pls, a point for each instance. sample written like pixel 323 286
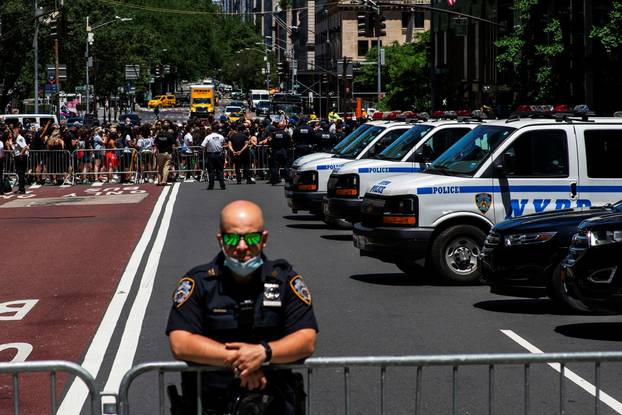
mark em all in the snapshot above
pixel 53 367
pixel 110 164
pixel 43 165
pixel 490 362
pixel 189 162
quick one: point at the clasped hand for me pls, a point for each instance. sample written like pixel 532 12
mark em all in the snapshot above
pixel 246 361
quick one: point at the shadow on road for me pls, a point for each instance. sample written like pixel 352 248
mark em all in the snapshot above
pixel 396 279
pixel 346 237
pixel 526 306
pixel 592 331
pixel 308 226
pixel 303 218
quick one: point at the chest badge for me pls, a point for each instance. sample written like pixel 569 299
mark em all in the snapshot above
pixel 271 295
pixel 483 201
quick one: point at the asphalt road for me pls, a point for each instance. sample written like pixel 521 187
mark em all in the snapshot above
pixel 368 308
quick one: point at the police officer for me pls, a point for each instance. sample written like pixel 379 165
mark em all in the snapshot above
pixel 164 142
pixel 215 152
pixel 325 139
pixel 240 312
pixel 20 155
pixel 279 141
pixel 304 139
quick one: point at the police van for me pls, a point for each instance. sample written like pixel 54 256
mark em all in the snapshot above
pixel 309 183
pixel 340 146
pixel 409 154
pixel 499 170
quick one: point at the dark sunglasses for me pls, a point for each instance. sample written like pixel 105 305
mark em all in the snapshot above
pixel 233 239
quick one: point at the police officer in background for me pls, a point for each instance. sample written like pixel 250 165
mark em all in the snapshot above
pixel 241 312
pixel 325 139
pixel 164 142
pixel 20 154
pixel 214 145
pixel 279 141
pixel 304 139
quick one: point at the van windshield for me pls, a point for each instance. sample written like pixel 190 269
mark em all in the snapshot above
pixel 471 151
pixel 404 143
pixel 350 138
pixel 354 149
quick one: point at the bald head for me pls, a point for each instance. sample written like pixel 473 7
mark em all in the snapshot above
pixel 241 217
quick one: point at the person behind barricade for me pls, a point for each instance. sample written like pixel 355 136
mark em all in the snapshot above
pixel 238 144
pixel 187 158
pixel 164 142
pixel 279 142
pixel 55 144
pixel 198 135
pixel 38 153
pixel 304 139
pixel 242 312
pixel 146 152
pixel 84 155
pixel 2 162
pixel 111 160
pixel 97 142
pixel 214 147
pixel 20 155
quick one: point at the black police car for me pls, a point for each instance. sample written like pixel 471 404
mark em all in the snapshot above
pixel 592 271
pixel 521 256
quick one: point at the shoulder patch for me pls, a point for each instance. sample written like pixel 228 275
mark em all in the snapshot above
pixel 300 289
pixel 184 290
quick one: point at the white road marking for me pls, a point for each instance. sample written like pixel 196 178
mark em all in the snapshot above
pixel 129 341
pixel 97 184
pixel 34 186
pixel 570 375
pixel 75 397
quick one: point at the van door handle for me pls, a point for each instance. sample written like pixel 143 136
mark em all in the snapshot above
pixel 573 189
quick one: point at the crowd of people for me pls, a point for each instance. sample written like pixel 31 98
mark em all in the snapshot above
pixel 162 151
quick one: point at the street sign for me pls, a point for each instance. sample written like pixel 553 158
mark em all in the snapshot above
pixel 62 72
pixel 310 97
pixel 80 89
pixel 132 72
pixel 382 56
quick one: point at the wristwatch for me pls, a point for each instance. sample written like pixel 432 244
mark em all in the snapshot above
pixel 268 349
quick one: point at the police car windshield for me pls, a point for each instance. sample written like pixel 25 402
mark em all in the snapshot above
pixel 404 143
pixel 470 152
pixel 353 150
pixel 350 138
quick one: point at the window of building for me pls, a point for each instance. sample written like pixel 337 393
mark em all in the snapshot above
pixel 419 20
pixel 363 47
pixel 603 151
pixel 374 43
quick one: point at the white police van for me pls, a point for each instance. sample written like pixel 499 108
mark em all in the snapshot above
pixel 346 141
pixel 409 154
pixel 309 182
pixel 499 170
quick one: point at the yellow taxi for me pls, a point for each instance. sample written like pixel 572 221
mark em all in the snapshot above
pixel 162 101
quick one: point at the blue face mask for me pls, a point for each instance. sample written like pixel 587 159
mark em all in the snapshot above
pixel 243 269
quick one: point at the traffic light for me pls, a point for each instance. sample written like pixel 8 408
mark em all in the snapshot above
pixel 282 68
pixel 365 24
pixel 380 26
pixel 54 28
pixel 158 71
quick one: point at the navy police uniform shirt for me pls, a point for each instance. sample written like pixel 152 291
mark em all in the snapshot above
pixel 274 304
pixel 280 140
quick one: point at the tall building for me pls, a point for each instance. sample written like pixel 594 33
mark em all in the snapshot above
pixel 465 70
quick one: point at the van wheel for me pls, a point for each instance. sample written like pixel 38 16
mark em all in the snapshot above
pixel 559 293
pixel 454 253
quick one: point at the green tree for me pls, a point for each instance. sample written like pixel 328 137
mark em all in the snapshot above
pixel 610 34
pixel 405 76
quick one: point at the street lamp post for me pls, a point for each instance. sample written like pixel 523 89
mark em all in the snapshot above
pixel 89 41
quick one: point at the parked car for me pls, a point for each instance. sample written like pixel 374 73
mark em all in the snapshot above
pixel 262 108
pixel 521 256
pixel 592 270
